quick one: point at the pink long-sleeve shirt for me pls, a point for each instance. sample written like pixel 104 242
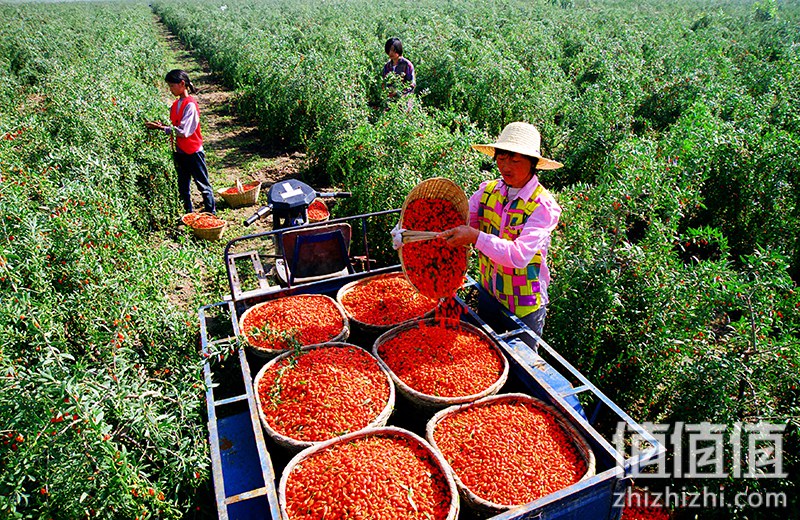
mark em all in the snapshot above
pixel 535 234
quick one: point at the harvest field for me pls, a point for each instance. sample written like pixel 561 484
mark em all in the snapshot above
pixel 675 265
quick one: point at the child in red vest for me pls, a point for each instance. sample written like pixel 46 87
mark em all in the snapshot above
pixel 187 141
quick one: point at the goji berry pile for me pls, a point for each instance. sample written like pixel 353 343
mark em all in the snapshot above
pixel 323 393
pixel 435 269
pixel 441 360
pixel 386 300
pixel 645 513
pixel 202 221
pixel 638 507
pixel 247 187
pixel 376 477
pixel 317 210
pixel 509 452
pixel 311 318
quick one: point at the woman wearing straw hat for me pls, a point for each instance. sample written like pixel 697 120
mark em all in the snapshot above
pixel 510 222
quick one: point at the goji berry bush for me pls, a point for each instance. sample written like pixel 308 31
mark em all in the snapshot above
pixel 101 395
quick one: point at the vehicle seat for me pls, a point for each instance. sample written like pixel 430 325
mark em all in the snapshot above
pixel 315 254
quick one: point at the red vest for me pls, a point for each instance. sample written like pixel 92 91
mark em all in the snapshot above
pixel 186 144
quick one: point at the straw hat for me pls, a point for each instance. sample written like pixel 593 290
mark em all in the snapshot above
pixel 521 138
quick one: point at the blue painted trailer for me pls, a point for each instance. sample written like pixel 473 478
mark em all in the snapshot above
pixel 247 466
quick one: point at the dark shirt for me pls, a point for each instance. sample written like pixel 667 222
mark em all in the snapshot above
pixel 405 70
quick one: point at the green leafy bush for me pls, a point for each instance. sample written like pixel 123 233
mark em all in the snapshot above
pixel 100 387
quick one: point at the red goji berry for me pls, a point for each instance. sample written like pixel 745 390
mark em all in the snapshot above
pixel 517 452
pixel 312 318
pixel 380 476
pixel 323 392
pixel 385 300
pixel 439 359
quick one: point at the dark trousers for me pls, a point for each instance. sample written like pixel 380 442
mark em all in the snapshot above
pixel 489 310
pixel 193 166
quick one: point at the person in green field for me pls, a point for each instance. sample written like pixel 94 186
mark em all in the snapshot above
pixel 510 222
pixel 400 66
pixel 186 141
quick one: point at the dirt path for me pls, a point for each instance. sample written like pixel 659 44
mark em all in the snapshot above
pixel 233 146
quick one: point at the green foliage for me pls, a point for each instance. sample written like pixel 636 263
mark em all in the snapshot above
pixel 677 123
pixel 100 387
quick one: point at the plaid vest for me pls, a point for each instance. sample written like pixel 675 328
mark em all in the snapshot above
pixel 516 289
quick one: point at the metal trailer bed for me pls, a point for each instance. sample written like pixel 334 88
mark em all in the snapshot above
pixel 247 466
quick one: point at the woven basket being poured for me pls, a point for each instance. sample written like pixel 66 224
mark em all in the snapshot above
pixel 435 269
pixel 439 188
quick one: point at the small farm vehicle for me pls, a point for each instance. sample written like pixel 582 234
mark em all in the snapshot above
pixel 247 465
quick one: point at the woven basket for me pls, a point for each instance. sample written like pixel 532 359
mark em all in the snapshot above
pixel 435 188
pixel 452 512
pixel 371 327
pixel 267 352
pixel 439 188
pixel 295 445
pixel 433 402
pixel 323 219
pixel 484 506
pixel 248 197
pixel 214 233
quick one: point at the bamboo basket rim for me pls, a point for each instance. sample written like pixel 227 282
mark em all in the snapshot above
pixel 438 188
pixel 437 402
pixel 474 501
pixel 435 188
pixel 442 464
pixel 267 352
pixel 295 445
pixel 373 327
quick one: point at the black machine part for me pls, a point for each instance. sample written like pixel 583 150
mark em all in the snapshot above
pixel 290 194
pixel 289 200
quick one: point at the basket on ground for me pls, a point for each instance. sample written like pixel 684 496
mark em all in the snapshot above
pixel 328 390
pixel 205 225
pixel 385 472
pixel 318 211
pixel 272 327
pixel 566 468
pixel 456 362
pixel 241 195
pixel 377 303
pixel 434 268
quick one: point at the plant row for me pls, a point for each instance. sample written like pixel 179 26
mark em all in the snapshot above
pixel 100 387
pixel 677 124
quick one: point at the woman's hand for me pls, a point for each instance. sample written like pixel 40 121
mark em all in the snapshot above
pixel 154 125
pixel 460 236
